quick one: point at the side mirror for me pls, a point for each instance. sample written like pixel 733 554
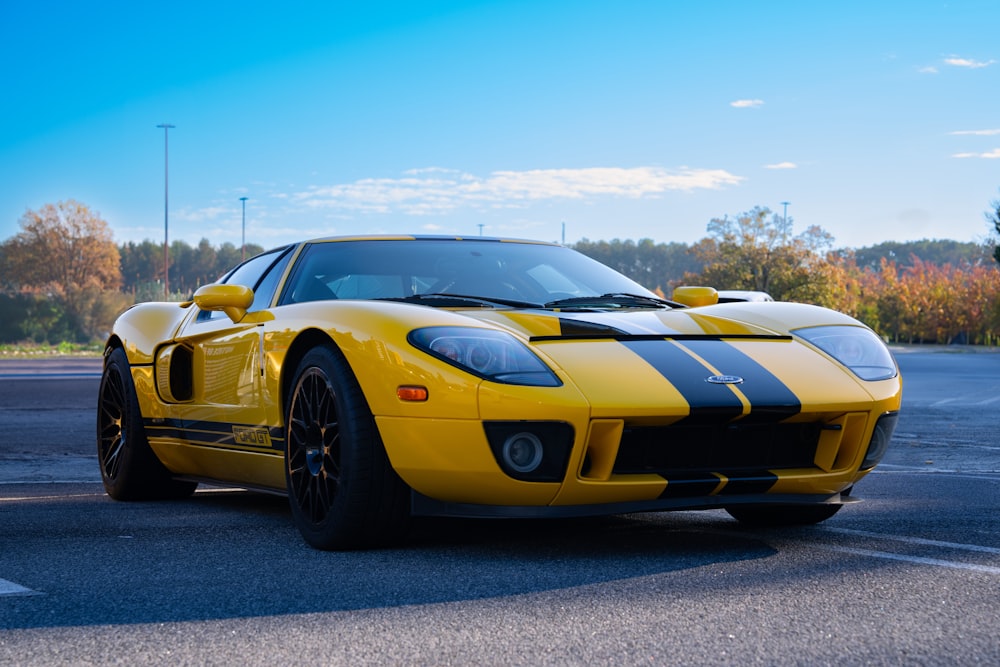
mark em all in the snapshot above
pixel 233 300
pixel 695 296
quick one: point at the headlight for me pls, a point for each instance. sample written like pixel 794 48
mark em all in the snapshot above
pixel 491 355
pixel 857 348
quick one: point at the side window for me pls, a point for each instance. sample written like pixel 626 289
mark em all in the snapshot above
pixel 310 279
pixel 264 291
pixel 261 274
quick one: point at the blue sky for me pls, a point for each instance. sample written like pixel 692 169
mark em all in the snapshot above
pixel 631 119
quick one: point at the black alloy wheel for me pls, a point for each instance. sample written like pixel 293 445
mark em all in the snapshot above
pixel 342 491
pixel 129 468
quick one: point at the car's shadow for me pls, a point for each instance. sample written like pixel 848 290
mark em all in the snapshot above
pixel 231 554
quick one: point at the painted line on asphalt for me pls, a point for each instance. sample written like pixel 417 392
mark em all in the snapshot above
pixel 988 401
pixel 946 443
pixel 914 540
pixel 919 560
pixel 10 499
pixel 10 588
pixel 42 482
pixel 981 475
pixel 944 401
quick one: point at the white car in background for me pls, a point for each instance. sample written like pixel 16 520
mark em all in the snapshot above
pixel 730 295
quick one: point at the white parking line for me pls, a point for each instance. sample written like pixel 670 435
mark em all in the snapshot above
pixel 14 499
pixel 944 401
pixel 988 401
pixel 988 569
pixel 914 540
pixel 981 476
pixel 10 588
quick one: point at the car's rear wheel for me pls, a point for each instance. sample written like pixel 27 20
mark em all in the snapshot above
pixel 782 515
pixel 129 468
pixel 343 492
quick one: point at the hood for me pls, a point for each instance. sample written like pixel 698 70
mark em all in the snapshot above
pixel 695 364
pixel 538 324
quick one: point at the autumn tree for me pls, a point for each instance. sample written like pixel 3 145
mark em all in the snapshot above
pixel 757 251
pixel 65 250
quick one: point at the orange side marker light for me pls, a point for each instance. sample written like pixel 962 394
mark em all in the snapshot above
pixel 411 393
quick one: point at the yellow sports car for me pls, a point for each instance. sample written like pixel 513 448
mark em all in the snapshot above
pixel 372 379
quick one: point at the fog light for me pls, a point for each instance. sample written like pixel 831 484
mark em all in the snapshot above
pixel 880 439
pixel 522 452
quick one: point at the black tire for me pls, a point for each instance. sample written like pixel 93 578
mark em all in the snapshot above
pixel 343 492
pixel 782 515
pixel 129 468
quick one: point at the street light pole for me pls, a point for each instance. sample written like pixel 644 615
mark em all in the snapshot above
pixel 243 245
pixel 784 221
pixel 166 171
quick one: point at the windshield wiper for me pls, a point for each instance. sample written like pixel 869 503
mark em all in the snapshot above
pixel 616 299
pixel 446 299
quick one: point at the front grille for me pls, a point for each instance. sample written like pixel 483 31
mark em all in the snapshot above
pixel 729 448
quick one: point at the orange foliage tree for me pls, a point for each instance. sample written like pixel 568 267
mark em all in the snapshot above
pixel 921 302
pixel 66 252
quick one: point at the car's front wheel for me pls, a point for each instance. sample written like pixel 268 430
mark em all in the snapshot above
pixel 343 492
pixel 129 468
pixel 782 515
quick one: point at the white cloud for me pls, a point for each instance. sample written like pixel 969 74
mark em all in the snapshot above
pixel 746 104
pixel 782 165
pixel 956 61
pixel 978 133
pixel 989 155
pixel 930 69
pixel 435 191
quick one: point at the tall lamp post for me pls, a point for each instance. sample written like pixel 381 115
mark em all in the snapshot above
pixel 784 220
pixel 166 262
pixel 243 244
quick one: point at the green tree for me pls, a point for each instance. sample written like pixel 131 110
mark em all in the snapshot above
pixel 936 251
pixel 993 218
pixel 141 263
pixel 656 266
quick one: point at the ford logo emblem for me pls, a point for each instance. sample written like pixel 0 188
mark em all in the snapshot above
pixel 724 379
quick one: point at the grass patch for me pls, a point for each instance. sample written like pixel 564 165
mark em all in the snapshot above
pixel 64 349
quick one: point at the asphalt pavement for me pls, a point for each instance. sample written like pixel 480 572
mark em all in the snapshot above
pixel 911 575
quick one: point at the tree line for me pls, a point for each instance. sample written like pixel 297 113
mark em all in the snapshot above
pixel 62 277
pixel 188 267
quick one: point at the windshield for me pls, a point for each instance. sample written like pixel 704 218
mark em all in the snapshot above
pixel 513 273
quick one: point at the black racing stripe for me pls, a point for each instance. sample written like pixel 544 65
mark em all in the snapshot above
pixel 710 403
pixel 584 328
pixel 656 336
pixel 205 433
pixel 770 399
pixel 689 486
pixel 681 485
pixel 744 483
